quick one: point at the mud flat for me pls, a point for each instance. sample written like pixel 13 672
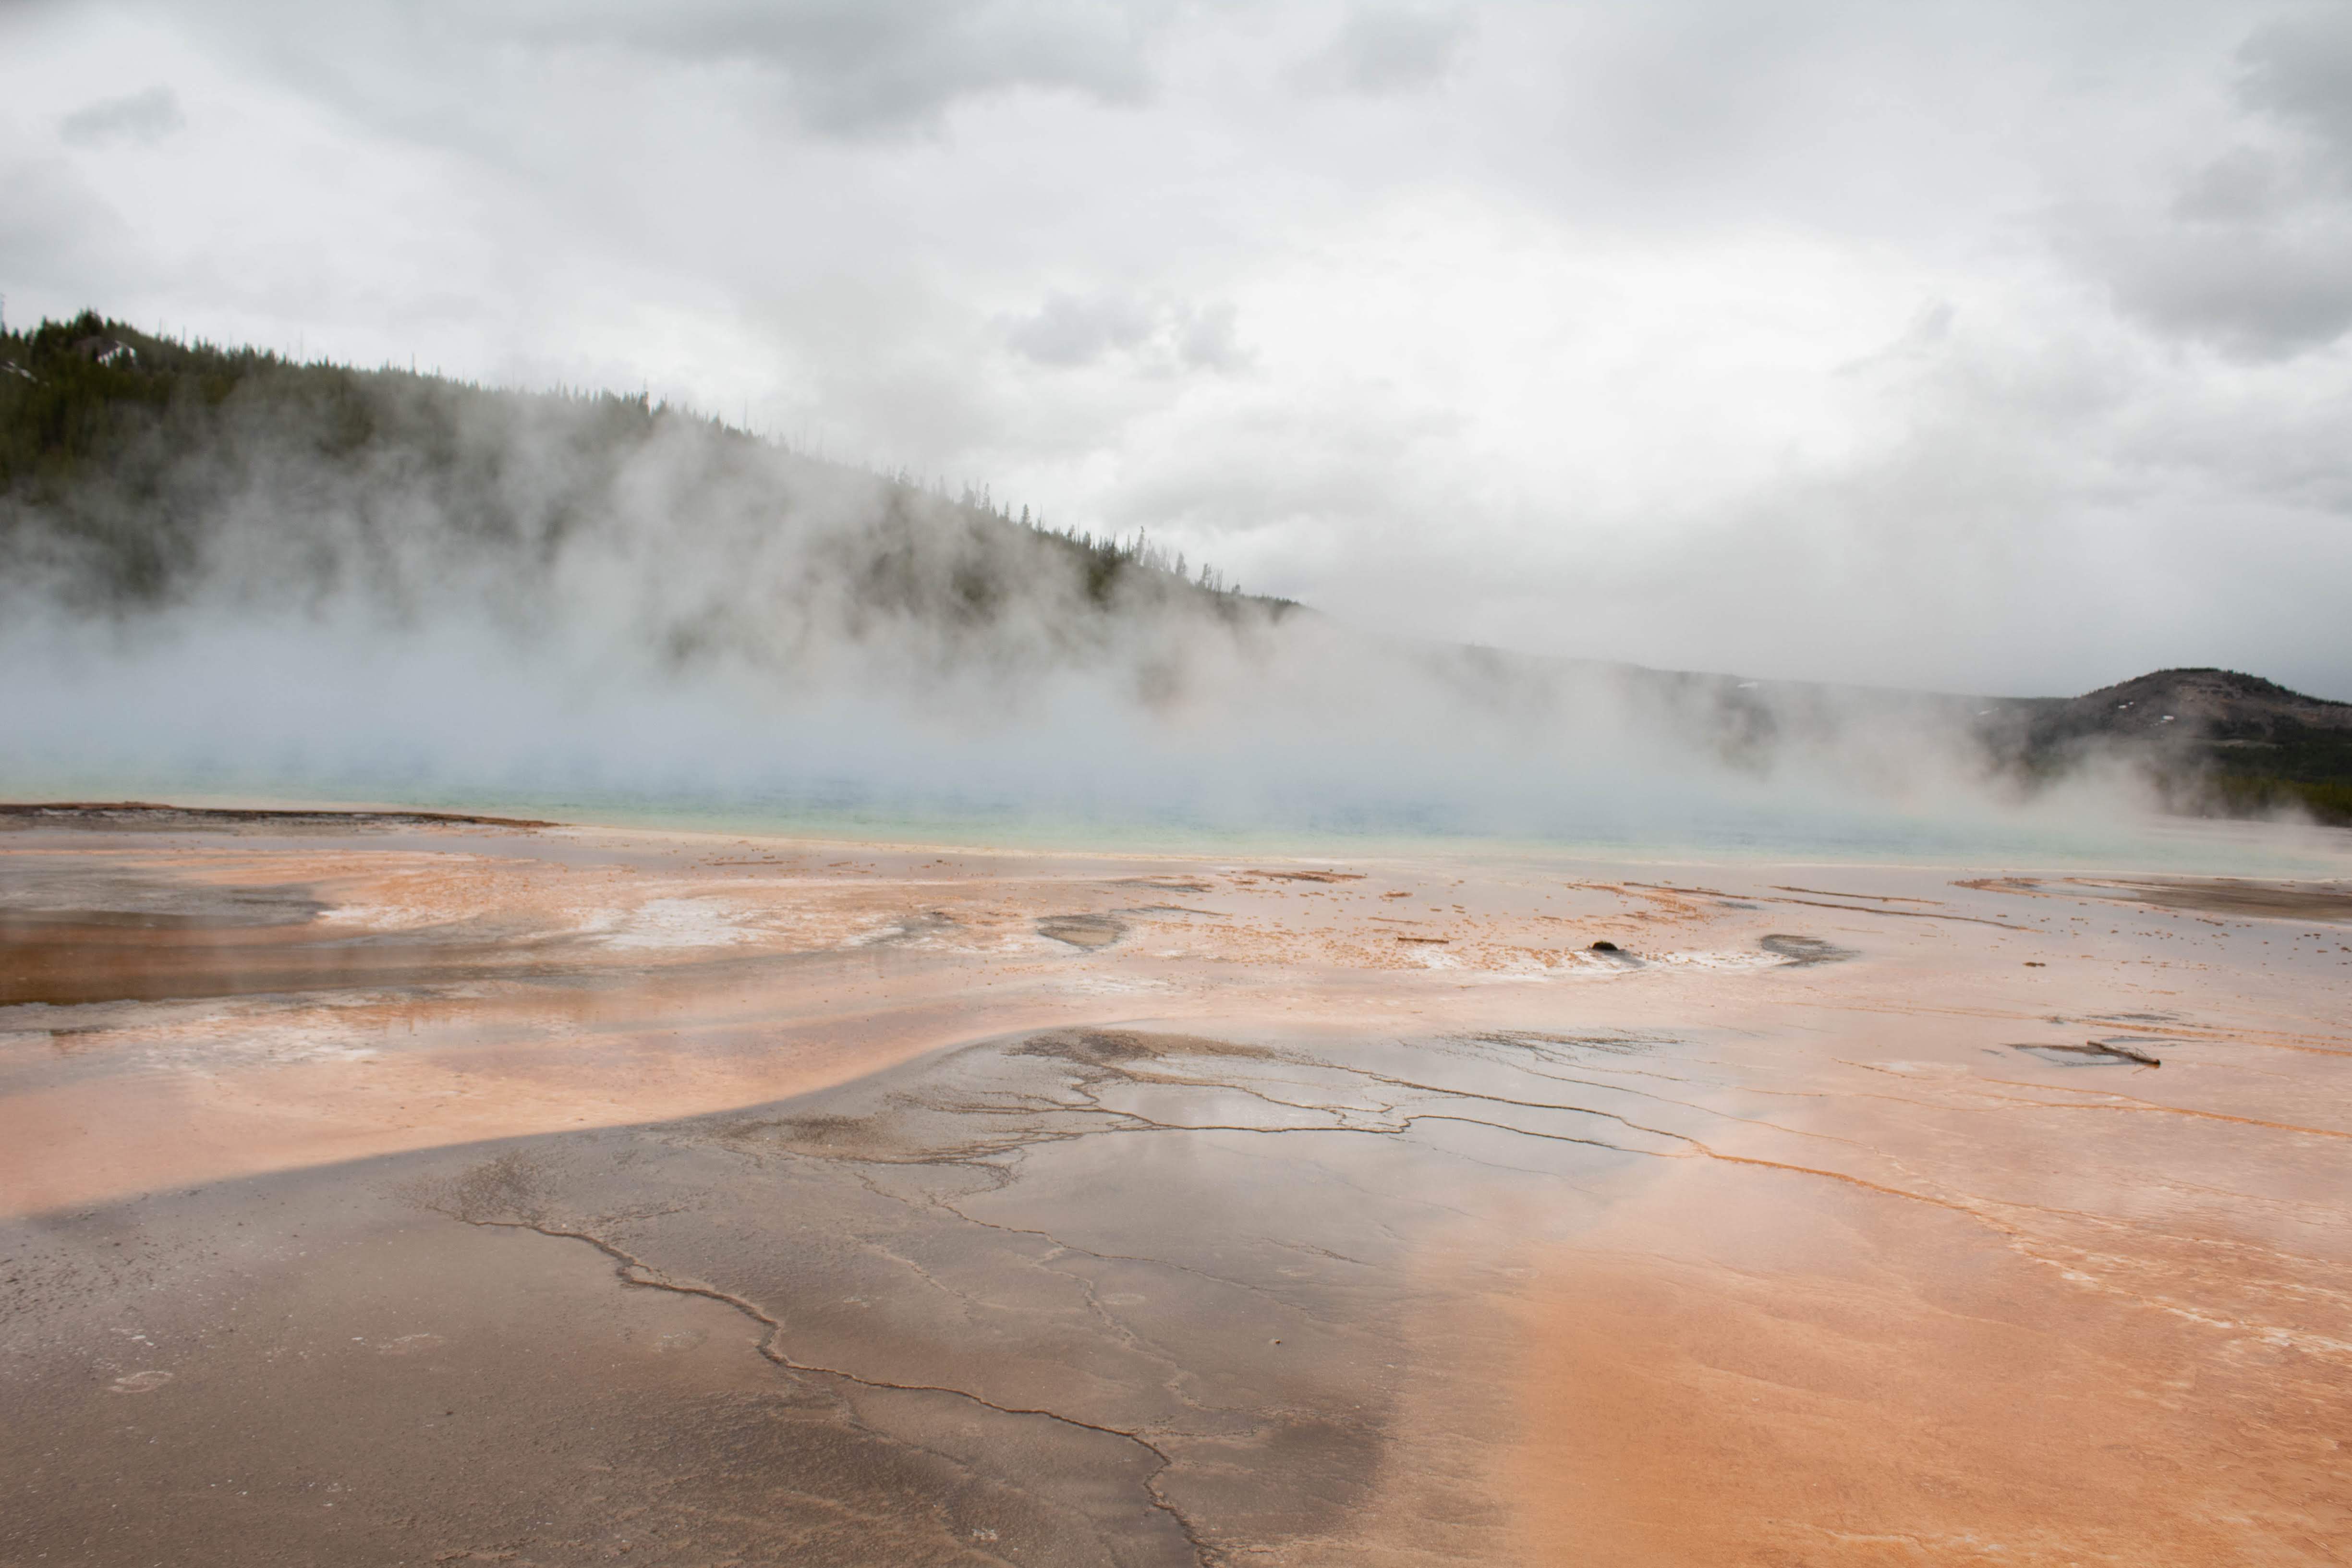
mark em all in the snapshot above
pixel 409 1190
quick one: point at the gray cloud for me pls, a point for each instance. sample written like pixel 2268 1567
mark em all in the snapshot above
pixel 859 68
pixel 1385 48
pixel 2298 70
pixel 2246 253
pixel 145 116
pixel 2255 290
pixel 2243 185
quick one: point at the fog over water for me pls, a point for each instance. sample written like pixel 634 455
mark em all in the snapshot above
pixel 1989 349
pixel 1317 740
pixel 589 607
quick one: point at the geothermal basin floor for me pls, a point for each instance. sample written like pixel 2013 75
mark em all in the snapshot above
pixel 379 1190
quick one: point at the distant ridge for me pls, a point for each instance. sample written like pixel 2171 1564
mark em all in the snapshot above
pixel 2220 704
pixel 2217 740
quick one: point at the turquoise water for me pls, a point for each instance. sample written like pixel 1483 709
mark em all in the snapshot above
pixel 1338 761
pixel 1692 829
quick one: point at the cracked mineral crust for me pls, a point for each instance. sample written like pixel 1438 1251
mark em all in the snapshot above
pixel 396 1190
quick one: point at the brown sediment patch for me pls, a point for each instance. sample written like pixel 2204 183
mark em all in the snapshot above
pixel 1858 908
pixel 108 922
pixel 1100 1047
pixel 2025 886
pixel 1168 884
pixel 1309 876
pixel 78 957
pixel 2232 896
pixel 1667 904
pixel 1803 950
pixel 136 815
pixel 1872 897
pixel 2094 1053
pixel 2328 901
pixel 1082 931
pixel 1616 1044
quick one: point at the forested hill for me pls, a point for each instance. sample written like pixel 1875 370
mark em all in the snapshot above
pixel 139 473
pixel 2216 739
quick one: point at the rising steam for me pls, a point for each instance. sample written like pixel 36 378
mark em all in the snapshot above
pixel 257 577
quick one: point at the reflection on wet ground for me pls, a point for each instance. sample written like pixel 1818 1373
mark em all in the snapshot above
pixel 1188 1258
pixel 1083 1295
pixel 698 1201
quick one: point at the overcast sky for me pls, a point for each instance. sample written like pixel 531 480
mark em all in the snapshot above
pixel 1977 345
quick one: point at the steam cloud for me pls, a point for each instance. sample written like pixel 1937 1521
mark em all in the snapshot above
pixel 403 588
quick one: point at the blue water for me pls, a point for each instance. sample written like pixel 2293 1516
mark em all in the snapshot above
pixel 1696 828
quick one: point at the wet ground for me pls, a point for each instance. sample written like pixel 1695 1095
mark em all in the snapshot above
pixel 416 1192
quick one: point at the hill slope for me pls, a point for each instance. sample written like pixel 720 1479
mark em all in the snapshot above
pixel 137 474
pixel 2216 739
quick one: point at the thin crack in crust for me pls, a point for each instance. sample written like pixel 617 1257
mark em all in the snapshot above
pixel 1024 1095
pixel 510 1178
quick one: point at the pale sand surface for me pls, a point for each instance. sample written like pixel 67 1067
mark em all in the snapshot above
pixel 417 1193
